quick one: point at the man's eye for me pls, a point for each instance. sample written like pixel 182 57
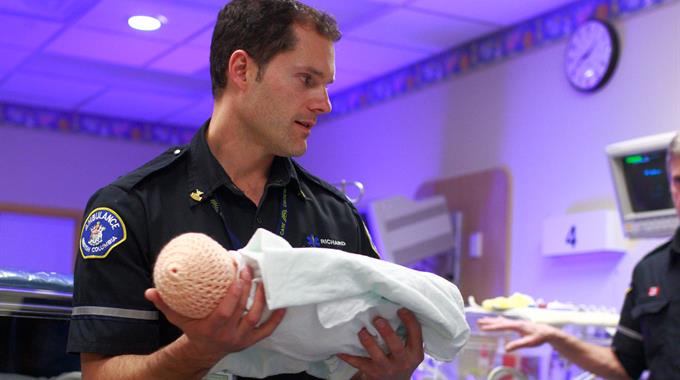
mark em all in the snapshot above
pixel 307 80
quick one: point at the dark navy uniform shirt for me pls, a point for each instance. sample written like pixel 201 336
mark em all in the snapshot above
pixel 183 190
pixel 648 336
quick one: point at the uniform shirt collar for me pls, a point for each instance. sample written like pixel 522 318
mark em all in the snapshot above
pixel 282 172
pixel 206 174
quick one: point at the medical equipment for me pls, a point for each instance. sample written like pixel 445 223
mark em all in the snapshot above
pixel 638 168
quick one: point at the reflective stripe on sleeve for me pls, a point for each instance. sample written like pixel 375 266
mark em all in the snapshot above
pixel 629 332
pixel 115 312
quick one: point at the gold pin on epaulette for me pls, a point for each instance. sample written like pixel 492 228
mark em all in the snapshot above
pixel 197 195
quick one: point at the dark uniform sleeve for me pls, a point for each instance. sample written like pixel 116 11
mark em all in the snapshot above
pixel 627 344
pixel 366 246
pixel 113 269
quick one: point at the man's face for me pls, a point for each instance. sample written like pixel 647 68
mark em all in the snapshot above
pixel 674 179
pixel 283 106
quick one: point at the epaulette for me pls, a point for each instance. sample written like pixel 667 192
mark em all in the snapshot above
pixel 323 184
pixel 164 160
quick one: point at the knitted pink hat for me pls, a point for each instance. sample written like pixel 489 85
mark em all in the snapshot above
pixel 193 273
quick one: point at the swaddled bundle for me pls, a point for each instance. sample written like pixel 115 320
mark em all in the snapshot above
pixel 193 273
pixel 323 317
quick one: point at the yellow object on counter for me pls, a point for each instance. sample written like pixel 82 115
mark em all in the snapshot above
pixel 516 300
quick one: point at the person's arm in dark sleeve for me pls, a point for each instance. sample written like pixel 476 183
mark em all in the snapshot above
pixel 115 322
pixel 624 360
pixel 627 343
pixel 110 314
pixel 366 246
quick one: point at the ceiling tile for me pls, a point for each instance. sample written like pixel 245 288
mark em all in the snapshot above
pixel 347 13
pixel 491 11
pixel 77 48
pixel 183 60
pixel 371 58
pixel 135 105
pixel 203 74
pixel 204 39
pixel 26 32
pixel 108 47
pixel 11 58
pixel 182 21
pixel 60 10
pixel 420 30
pixel 213 5
pixel 395 2
pixel 48 90
pixel 123 77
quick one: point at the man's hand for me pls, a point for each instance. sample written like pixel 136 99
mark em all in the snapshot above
pixel 401 359
pixel 601 361
pixel 532 334
pixel 229 328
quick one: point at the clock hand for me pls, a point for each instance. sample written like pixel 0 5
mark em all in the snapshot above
pixel 583 58
pixel 588 52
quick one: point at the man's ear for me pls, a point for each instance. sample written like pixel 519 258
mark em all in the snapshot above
pixel 239 65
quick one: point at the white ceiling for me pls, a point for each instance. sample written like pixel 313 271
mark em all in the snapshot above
pixel 80 55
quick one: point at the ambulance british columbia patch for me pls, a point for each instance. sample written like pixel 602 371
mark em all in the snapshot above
pixel 102 231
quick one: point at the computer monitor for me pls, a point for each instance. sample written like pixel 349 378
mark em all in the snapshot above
pixel 638 169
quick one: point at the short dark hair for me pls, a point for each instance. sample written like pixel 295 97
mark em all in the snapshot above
pixel 263 28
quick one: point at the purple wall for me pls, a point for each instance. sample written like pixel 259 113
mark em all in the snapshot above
pixel 58 170
pixel 391 148
pixel 53 169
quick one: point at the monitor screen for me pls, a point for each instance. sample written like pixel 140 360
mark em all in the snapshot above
pixel 641 185
pixel 646 181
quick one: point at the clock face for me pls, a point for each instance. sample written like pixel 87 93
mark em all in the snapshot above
pixel 591 55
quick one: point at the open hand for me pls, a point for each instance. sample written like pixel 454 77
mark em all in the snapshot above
pixel 532 334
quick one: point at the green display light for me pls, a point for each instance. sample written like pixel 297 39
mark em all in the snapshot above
pixel 634 159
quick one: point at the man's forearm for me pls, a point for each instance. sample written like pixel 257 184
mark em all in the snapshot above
pixel 598 360
pixel 177 360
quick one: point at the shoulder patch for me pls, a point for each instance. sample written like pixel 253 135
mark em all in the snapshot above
pixel 102 231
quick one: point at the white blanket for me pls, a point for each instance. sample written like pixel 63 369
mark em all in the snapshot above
pixel 330 295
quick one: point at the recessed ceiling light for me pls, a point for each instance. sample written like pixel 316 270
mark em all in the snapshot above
pixel 146 23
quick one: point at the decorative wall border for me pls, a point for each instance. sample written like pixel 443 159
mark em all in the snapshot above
pixel 94 125
pixel 496 47
pixel 492 48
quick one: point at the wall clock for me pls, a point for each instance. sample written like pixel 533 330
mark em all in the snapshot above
pixel 591 55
